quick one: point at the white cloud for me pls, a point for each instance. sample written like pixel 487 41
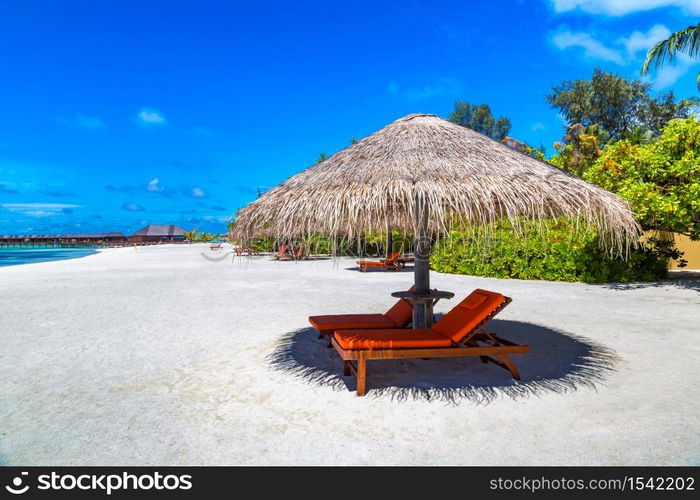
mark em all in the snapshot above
pixel 154 186
pixel 538 126
pixel 39 213
pixel 627 50
pixel 622 7
pixel 641 41
pixel 197 192
pixel 133 207
pixel 216 218
pixel 592 48
pixel 48 206
pixel 150 116
pixel 39 209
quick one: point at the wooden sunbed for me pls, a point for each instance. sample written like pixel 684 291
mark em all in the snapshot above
pixel 402 261
pixel 298 254
pixel 216 246
pixel 248 250
pixel 397 317
pixel 459 333
pixel 390 263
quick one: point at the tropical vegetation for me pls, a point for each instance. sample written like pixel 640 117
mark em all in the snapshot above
pixel 660 179
pixel 558 251
pixel 611 106
pixel 479 117
pixel 619 136
pixel 194 236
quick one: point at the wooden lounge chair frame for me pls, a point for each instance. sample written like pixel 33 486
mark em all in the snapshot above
pixel 296 255
pixel 248 250
pixel 391 263
pixel 495 351
pixel 402 261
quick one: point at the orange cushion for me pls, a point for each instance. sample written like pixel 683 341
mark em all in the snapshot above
pixel 464 317
pixel 393 256
pixel 371 263
pixel 390 339
pixel 473 301
pixel 401 312
pixel 350 321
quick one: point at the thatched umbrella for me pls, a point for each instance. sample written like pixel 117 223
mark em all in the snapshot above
pixel 421 174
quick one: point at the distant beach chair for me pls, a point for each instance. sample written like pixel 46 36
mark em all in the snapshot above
pixel 248 250
pixel 216 246
pixel 284 255
pixel 398 316
pixel 459 333
pixel 402 261
pixel 390 263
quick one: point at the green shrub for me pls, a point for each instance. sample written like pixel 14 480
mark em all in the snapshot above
pixel 661 179
pixel 265 243
pixel 556 253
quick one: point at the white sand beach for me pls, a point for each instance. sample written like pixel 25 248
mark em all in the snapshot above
pixel 159 356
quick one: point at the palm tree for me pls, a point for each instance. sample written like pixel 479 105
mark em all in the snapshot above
pixel 191 235
pixel 638 134
pixel 685 41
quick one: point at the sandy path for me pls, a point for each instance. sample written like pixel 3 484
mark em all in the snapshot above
pixel 159 356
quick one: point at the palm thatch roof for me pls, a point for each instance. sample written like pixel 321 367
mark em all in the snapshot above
pixel 458 174
pixel 160 230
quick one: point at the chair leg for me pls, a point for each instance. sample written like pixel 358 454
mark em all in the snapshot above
pixel 509 365
pixel 346 368
pixel 504 362
pixel 362 376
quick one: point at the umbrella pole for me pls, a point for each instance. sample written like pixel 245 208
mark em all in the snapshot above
pixel 421 266
pixel 389 241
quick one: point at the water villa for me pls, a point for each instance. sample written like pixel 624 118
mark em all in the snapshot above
pixel 153 233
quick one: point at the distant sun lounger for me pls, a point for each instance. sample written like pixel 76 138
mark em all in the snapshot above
pixel 393 262
pixel 248 250
pixel 459 333
pixel 216 246
pixel 398 316
pixel 298 254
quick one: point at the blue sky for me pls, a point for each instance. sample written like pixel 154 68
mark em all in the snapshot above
pixel 114 114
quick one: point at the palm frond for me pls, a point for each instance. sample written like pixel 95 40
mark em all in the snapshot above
pixel 686 41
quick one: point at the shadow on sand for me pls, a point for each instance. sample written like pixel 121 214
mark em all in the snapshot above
pixel 687 280
pixel 407 269
pixel 305 259
pixel 558 362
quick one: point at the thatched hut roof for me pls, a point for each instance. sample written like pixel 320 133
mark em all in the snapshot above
pixel 421 158
pixel 161 230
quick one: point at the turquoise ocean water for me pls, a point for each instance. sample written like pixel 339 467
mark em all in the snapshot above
pixel 15 256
